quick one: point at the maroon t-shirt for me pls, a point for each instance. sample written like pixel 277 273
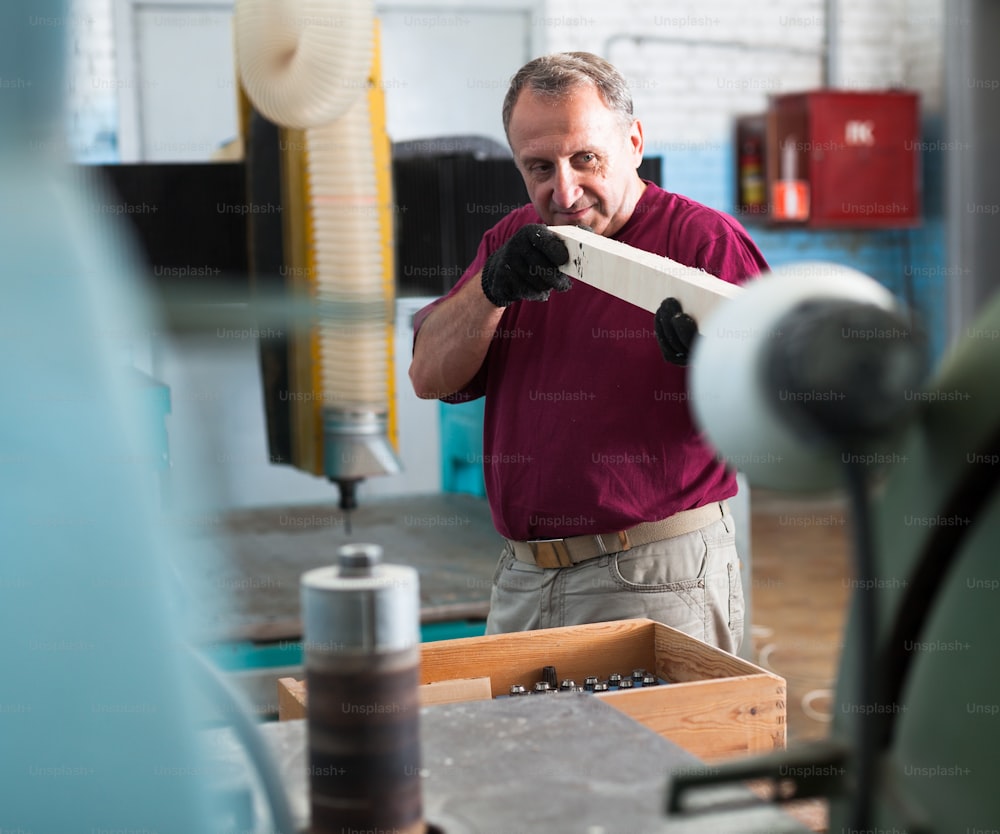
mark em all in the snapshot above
pixel 587 428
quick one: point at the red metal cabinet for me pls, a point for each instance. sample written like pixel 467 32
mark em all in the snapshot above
pixel 852 157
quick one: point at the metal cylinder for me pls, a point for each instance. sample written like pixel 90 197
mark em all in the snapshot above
pixel 361 625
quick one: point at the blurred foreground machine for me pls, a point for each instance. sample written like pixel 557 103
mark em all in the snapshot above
pixel 831 390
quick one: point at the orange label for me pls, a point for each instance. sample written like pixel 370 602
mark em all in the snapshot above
pixel 790 200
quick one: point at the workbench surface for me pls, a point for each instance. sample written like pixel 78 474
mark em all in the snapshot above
pixel 559 763
pixel 247 573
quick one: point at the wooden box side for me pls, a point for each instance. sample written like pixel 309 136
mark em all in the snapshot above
pixel 713 719
pixel 575 651
pixel 679 658
pixel 291 699
pixel 717 706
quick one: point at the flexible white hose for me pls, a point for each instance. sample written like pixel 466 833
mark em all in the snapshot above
pixel 354 364
pixel 350 261
pixel 304 62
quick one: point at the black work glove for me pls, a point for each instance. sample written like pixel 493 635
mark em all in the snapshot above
pixel 675 331
pixel 526 267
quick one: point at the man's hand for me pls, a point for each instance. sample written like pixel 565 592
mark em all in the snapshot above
pixel 526 267
pixel 675 331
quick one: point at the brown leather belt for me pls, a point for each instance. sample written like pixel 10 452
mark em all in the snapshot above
pixel 562 553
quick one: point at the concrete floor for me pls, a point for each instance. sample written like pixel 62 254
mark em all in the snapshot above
pixel 801 587
pixel 801 583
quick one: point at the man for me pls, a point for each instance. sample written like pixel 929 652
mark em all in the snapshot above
pixel 588 438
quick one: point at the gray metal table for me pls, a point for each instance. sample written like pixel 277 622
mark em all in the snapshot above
pixel 559 764
pixel 252 578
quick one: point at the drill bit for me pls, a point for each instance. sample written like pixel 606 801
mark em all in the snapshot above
pixel 348 500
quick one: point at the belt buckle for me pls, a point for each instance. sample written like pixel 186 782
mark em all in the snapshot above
pixel 550 553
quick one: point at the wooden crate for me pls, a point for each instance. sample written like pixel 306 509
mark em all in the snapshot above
pixel 717 706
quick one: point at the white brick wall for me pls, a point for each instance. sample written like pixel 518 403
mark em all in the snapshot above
pixel 868 44
pixel 695 64
pixel 690 75
pixel 893 43
pixel 923 50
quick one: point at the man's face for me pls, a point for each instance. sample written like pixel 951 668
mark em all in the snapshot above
pixel 577 161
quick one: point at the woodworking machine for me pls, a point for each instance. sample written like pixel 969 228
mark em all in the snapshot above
pixel 313 70
pixel 811 378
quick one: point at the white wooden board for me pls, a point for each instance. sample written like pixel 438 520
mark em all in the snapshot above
pixel 638 277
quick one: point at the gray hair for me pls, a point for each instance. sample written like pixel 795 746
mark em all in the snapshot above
pixel 557 75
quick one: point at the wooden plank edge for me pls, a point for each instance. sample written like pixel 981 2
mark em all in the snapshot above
pixel 638 277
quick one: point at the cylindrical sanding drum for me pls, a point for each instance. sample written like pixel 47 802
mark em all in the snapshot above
pixel 361 622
